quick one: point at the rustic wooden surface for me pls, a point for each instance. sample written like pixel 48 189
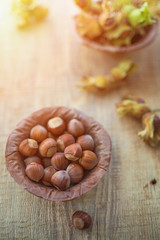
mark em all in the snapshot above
pixel 39 68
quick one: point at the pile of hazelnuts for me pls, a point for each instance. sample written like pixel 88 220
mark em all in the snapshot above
pixel 59 154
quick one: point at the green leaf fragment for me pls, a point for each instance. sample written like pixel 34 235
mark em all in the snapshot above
pixel 140 16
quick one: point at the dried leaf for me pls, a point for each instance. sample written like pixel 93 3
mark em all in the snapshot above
pixel 132 107
pixel 85 5
pixel 87 26
pixel 28 12
pixel 150 134
pixel 39 12
pixel 117 76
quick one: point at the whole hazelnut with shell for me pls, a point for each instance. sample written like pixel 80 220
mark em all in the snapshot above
pixel 38 133
pixel 88 160
pixel 75 128
pixel 75 172
pixel 73 152
pixel 59 162
pixel 48 147
pixel 86 142
pixel 28 147
pixel 81 220
pixel 56 125
pixel 34 171
pixel 61 180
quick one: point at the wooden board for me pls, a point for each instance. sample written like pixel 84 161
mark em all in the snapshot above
pixel 40 67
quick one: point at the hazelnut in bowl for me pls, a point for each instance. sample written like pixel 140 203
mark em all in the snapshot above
pixel 58 153
pixel 117 26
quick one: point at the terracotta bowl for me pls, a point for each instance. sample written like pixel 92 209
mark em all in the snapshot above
pixel 152 31
pixel 16 166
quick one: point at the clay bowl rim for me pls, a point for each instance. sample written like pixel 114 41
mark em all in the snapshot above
pixel 16 166
pixel 142 43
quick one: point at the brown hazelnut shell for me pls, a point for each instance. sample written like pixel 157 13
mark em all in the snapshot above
pixel 86 141
pixel 64 141
pixel 88 160
pixel 46 162
pixel 48 147
pixel 38 133
pixel 59 162
pixel 34 171
pixel 48 173
pixel 16 166
pixel 81 220
pixel 33 159
pixel 76 172
pixel 56 130
pixel 73 152
pixel 61 180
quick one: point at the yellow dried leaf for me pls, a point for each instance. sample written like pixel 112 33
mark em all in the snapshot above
pixel 122 42
pixel 118 31
pixel 39 12
pixel 87 26
pixel 96 8
pixel 27 1
pixel 150 134
pixel 109 20
pixel 114 80
pixel 23 19
pixel 100 82
pixel 123 69
pixel 28 12
pixel 84 4
pixel 132 108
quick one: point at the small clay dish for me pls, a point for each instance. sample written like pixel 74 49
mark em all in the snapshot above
pixel 139 42
pixel 16 166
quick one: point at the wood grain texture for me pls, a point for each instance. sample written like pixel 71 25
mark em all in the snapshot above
pixel 39 68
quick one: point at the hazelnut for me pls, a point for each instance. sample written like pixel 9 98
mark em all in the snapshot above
pixel 59 162
pixel 61 180
pixel 34 171
pixel 88 160
pixel 28 147
pixel 46 162
pixel 48 173
pixel 56 125
pixel 76 128
pixel 86 142
pixel 38 133
pixel 81 220
pixel 48 147
pixel 73 152
pixel 33 159
pixel 76 172
pixel 64 141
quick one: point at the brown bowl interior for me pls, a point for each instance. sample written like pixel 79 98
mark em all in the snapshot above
pixel 16 166
pixel 142 42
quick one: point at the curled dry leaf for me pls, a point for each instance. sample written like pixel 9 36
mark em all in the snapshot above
pixel 151 132
pixel 87 26
pixel 28 12
pixel 116 78
pixel 134 107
